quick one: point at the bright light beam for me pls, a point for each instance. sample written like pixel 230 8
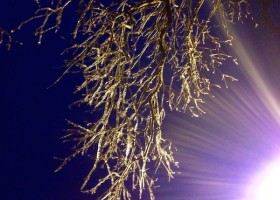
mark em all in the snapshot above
pixel 224 154
pixel 265 186
pixel 257 81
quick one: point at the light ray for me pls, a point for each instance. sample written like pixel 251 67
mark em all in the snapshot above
pixel 260 85
pixel 221 151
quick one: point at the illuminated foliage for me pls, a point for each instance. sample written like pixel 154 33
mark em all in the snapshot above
pixel 139 58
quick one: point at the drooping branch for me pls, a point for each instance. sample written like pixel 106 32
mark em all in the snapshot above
pixel 136 58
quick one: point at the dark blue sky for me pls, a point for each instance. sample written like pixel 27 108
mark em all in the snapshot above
pixel 32 120
pixel 32 116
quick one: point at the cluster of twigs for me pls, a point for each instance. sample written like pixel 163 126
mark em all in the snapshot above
pixel 5 38
pixel 136 57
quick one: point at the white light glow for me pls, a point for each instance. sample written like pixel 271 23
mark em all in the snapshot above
pixel 266 185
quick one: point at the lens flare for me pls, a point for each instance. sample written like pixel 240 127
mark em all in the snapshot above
pixel 221 151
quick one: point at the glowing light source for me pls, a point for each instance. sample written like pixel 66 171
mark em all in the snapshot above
pixel 266 185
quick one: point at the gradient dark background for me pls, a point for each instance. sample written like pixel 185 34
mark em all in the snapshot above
pixel 32 115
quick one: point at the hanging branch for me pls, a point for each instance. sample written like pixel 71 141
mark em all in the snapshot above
pixel 136 58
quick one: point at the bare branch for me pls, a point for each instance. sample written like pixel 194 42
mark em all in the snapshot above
pixel 137 57
pixel 5 38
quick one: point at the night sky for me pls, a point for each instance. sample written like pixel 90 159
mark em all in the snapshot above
pixel 218 151
pixel 33 116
